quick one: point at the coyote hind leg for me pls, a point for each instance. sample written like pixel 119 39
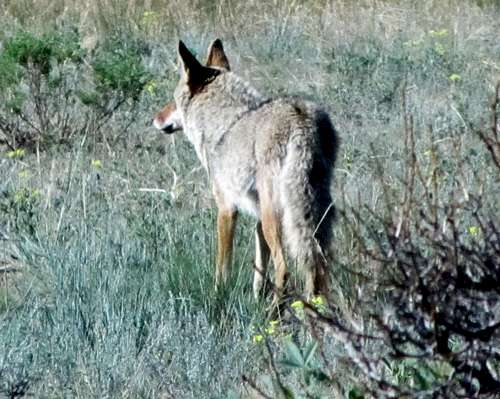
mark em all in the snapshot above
pixel 317 276
pixel 271 229
pixel 261 260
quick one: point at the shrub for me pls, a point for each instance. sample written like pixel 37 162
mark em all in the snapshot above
pixel 45 80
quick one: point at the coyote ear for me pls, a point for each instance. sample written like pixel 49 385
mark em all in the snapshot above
pixel 216 56
pixel 190 65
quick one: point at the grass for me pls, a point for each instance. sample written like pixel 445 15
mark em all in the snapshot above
pixel 115 296
pixel 116 289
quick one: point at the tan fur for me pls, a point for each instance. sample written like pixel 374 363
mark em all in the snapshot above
pixel 271 158
pixel 226 224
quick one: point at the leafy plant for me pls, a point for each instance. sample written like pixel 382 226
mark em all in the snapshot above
pixel 303 362
pixel 44 81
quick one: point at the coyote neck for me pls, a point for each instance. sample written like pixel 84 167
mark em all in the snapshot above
pixel 211 114
pixel 241 93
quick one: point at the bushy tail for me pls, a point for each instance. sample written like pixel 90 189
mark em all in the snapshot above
pixel 305 182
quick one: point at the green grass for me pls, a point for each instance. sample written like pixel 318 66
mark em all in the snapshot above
pixel 115 297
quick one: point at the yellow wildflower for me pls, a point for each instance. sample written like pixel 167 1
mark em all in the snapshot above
pixel 18 153
pixel 258 338
pixel 439 33
pixel 318 301
pixel 297 305
pixel 473 230
pixel 96 163
pixel 272 327
pixel 150 87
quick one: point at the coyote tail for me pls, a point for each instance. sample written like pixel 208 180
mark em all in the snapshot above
pixel 305 181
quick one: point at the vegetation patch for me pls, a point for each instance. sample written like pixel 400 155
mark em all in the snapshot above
pixel 107 227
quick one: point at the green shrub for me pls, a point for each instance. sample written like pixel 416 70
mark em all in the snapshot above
pixel 41 53
pixel 118 68
pixel 45 81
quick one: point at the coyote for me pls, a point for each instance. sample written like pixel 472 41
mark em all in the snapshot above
pixel 271 158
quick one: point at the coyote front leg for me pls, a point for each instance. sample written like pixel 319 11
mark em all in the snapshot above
pixel 226 224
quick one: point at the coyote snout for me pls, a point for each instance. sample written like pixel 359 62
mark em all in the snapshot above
pixel 272 158
pixel 168 120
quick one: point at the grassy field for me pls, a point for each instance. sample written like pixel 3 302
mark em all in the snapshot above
pixel 107 236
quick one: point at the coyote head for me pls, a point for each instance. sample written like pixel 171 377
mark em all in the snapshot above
pixel 194 77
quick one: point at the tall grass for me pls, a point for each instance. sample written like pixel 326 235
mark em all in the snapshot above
pixel 109 238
